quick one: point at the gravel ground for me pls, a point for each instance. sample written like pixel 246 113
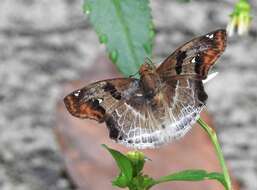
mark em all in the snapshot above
pixel 47 43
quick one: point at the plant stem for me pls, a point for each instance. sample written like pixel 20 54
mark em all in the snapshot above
pixel 216 144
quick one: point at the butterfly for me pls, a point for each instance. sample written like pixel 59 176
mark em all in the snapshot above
pixel 160 106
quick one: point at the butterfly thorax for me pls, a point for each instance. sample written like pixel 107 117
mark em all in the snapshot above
pixel 149 80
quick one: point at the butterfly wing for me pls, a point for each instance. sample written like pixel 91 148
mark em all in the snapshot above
pixel 194 58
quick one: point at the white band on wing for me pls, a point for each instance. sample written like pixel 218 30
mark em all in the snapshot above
pixel 210 77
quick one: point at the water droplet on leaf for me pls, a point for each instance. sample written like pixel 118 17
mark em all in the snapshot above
pixel 151 34
pixel 87 8
pixel 114 56
pixel 103 39
pixel 148 48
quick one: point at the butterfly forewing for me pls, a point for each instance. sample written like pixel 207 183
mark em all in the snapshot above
pixel 194 58
pixel 118 102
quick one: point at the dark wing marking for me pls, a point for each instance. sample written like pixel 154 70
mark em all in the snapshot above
pixel 195 57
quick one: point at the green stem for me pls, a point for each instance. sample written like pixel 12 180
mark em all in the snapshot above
pixel 216 144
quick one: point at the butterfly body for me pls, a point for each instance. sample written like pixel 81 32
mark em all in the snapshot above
pixel 160 106
pixel 149 80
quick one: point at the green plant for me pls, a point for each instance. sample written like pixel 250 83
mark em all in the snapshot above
pixel 131 175
pixel 127 30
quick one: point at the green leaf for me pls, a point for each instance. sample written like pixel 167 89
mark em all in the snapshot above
pixel 193 175
pixel 120 181
pixel 123 163
pixel 141 182
pixel 186 175
pixel 148 182
pixel 125 26
pixel 219 177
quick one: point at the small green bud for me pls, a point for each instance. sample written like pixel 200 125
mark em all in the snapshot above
pixel 138 160
pixel 135 156
pixel 240 19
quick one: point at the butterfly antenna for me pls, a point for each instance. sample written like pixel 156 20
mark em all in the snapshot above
pixel 149 61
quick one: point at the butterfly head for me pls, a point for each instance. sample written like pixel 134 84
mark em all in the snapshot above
pixel 147 68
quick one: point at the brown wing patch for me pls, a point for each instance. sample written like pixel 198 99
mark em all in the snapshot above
pixel 90 109
pixel 220 39
pixel 210 56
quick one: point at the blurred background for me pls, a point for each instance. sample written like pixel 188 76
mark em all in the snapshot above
pixel 46 44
